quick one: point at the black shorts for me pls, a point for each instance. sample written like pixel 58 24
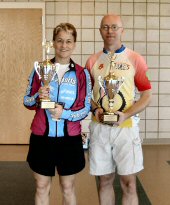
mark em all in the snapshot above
pixel 46 154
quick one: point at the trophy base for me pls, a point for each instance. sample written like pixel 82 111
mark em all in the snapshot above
pixel 110 118
pixel 47 104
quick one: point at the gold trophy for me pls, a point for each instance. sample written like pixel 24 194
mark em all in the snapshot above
pixel 46 71
pixel 111 85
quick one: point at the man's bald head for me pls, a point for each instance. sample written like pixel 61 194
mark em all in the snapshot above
pixel 112 17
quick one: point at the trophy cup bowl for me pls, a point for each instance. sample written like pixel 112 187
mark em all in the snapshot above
pixel 111 85
pixel 46 71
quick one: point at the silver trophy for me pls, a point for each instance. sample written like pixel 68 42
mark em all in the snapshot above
pixel 46 71
pixel 111 85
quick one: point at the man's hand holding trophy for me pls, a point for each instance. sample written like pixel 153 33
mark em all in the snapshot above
pixel 111 85
pixel 46 71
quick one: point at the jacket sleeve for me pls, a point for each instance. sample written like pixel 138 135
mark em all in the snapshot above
pixel 31 96
pixel 81 112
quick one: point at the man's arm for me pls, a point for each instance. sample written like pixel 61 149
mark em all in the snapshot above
pixel 137 107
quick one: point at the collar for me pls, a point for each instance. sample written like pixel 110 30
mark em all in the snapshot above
pixel 122 48
pixel 72 65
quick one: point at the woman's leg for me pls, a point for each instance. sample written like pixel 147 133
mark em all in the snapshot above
pixel 43 184
pixel 67 184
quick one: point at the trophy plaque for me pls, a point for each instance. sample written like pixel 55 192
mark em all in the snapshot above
pixel 111 85
pixel 46 71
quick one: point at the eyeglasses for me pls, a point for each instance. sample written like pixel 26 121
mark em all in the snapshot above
pixel 113 27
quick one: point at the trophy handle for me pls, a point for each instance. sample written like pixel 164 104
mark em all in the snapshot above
pixel 119 84
pixel 37 68
pixel 101 83
pixel 55 69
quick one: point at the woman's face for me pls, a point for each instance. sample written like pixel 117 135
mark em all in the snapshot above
pixel 64 45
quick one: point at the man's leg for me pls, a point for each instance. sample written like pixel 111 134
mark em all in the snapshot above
pixel 106 191
pixel 128 184
pixel 43 184
pixel 68 189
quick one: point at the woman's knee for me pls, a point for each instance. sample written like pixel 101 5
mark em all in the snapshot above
pixel 43 184
pixel 67 185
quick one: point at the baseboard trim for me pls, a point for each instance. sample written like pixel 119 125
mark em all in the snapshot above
pixel 162 141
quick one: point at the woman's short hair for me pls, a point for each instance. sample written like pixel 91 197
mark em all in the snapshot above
pixel 65 27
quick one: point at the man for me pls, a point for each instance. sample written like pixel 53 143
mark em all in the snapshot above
pixel 117 145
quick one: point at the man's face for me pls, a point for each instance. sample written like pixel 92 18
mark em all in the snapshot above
pixel 111 31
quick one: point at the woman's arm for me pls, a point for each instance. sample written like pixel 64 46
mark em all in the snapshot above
pixel 82 112
pixel 32 95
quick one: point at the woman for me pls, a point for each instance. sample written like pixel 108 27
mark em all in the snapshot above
pixel 55 141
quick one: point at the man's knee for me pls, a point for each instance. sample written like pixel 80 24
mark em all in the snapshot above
pixel 128 184
pixel 106 180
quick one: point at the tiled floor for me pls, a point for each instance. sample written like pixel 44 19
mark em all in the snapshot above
pixel 155 178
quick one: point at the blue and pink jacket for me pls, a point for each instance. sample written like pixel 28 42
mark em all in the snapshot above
pixel 74 92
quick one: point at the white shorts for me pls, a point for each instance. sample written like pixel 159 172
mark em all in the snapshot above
pixel 113 148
